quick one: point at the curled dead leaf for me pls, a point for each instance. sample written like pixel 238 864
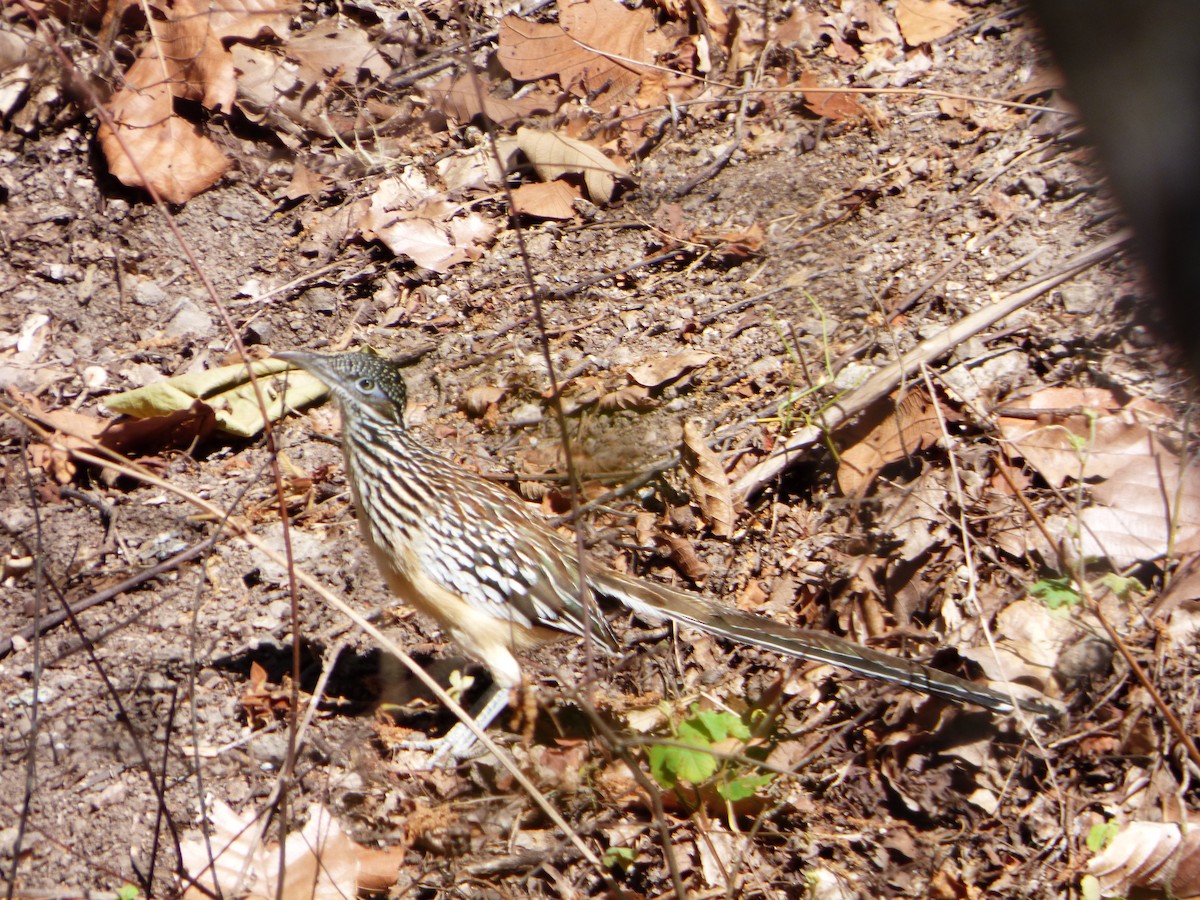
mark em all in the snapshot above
pixel 665 369
pixel 682 552
pixel 228 394
pixel 888 432
pixel 710 486
pixel 632 397
pixel 553 155
pixel 1157 855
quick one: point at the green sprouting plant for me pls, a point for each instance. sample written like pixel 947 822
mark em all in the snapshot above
pixel 621 858
pixel 692 758
pixel 1062 591
pixel 1056 592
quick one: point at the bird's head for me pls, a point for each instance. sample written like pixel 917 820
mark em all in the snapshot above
pixel 363 382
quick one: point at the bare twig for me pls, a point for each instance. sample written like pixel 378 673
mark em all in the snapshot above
pixel 889 377
pixel 52 620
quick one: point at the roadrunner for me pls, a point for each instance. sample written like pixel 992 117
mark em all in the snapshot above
pixel 499 581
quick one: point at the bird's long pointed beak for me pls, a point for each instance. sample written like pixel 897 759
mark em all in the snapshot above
pixel 307 360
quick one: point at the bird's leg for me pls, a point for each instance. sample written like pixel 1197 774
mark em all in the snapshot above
pixel 458 742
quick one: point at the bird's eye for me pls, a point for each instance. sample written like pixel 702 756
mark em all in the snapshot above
pixel 366 385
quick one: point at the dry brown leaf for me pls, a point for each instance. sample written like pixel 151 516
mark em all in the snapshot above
pixel 149 145
pixel 336 48
pixel 1081 433
pixel 553 155
pixel 594 51
pixel 1144 511
pixel 1146 504
pixel 462 99
pixel 546 200
pixel 73 431
pixel 872 23
pixel 304 183
pixel 179 430
pixel 270 90
pixel 1158 855
pixel 152 147
pixel 54 461
pixel 735 244
pixel 665 369
pixel 682 553
pixel 322 862
pixel 710 486
pixel 415 221
pixel 1030 639
pixel 887 432
pixel 469 170
pixel 1183 589
pixel 954 107
pixel 802 29
pixel 827 104
pixel 634 396
pixel 479 398
pixel 923 22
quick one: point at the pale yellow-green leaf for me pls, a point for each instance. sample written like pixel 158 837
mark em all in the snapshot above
pixel 228 391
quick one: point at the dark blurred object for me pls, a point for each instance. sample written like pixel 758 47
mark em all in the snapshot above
pixel 1083 662
pixel 1134 70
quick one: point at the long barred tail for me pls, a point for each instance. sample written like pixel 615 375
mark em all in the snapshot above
pixel 659 603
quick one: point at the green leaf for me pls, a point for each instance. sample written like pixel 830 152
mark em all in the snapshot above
pixel 696 762
pixel 740 788
pixel 1055 592
pixel 1101 835
pixel 1123 587
pixel 619 858
pixel 671 764
pixel 718 725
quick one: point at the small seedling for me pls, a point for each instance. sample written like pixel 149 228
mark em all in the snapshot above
pixel 694 757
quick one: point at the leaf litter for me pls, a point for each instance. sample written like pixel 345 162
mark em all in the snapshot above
pixel 596 80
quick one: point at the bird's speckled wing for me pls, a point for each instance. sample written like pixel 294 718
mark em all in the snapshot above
pixel 483 545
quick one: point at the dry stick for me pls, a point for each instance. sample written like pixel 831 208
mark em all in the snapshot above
pixel 53 620
pixel 889 377
pixel 1139 673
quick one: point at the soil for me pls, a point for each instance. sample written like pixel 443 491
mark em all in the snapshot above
pixel 148 705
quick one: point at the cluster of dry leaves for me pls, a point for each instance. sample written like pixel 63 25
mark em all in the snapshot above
pixel 601 82
pixel 597 87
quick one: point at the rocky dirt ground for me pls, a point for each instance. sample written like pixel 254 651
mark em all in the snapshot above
pixel 770 251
